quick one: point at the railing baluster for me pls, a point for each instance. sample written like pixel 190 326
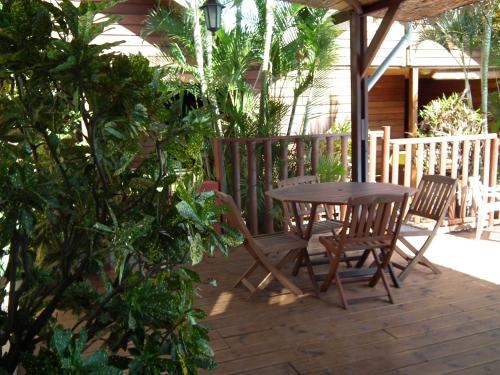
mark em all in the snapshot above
pixel 465 178
pixel 476 159
pixel 268 185
pixel 252 220
pixel 344 150
pixel 408 167
pixel 329 146
pixel 395 164
pixel 235 168
pixel 386 153
pixel 300 156
pixel 432 158
pixel 284 160
pixel 493 171
pixel 420 163
pixel 314 155
pixel 372 157
pixel 442 158
pixel 486 165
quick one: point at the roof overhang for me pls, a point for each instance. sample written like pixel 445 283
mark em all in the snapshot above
pixel 409 10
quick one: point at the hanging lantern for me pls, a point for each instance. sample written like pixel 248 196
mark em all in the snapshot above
pixel 213 12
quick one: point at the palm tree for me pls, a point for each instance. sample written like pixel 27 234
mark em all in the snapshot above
pixel 456 29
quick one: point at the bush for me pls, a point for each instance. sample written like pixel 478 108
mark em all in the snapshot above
pixel 449 116
pixel 72 118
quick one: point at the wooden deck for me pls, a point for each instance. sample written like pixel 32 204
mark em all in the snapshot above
pixel 444 324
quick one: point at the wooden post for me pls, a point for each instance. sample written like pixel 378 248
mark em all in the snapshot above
pixel 268 185
pixel 219 172
pixel 408 165
pixel 235 167
pixel 252 221
pixel 412 101
pixel 465 178
pixel 386 153
pixel 359 99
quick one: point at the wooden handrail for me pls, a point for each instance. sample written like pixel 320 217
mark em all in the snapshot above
pixel 450 138
pixel 288 138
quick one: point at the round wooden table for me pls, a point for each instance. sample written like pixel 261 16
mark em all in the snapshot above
pixel 336 192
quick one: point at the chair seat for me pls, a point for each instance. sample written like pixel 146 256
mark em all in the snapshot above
pixel 326 226
pixel 280 242
pixel 408 230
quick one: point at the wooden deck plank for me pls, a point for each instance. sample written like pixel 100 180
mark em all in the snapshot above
pixel 436 320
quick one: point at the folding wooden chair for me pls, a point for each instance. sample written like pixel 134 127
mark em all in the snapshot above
pixel 431 202
pixel 261 247
pixel 295 216
pixel 372 224
pixel 293 210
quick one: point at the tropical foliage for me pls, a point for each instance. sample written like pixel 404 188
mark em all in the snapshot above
pixel 449 116
pixel 281 42
pixel 78 196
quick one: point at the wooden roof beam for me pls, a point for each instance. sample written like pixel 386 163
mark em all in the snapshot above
pixel 355 5
pixel 368 10
pixel 379 37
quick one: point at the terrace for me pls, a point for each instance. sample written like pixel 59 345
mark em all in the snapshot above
pixel 439 324
pixel 111 247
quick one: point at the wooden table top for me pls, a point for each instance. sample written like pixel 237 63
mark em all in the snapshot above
pixel 336 192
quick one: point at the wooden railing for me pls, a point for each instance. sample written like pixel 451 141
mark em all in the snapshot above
pixel 260 162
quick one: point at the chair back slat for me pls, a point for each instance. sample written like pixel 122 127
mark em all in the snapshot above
pixel 302 208
pixel 434 196
pixel 373 221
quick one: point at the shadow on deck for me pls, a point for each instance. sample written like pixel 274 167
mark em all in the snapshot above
pixel 448 323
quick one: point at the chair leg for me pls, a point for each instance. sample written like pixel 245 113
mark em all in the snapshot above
pixel 362 259
pixel 334 264
pixel 310 271
pixel 340 288
pixel 299 262
pixel 246 274
pixel 479 225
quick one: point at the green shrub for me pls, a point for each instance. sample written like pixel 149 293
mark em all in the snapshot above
pixel 449 116
pixel 72 117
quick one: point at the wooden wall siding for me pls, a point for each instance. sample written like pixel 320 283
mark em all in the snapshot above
pixel 129 28
pixel 386 105
pixel 430 89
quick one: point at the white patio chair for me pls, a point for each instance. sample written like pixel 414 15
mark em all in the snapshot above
pixel 485 205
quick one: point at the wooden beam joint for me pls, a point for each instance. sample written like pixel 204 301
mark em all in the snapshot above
pixel 379 37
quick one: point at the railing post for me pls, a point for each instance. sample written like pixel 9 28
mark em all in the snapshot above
pixel 395 164
pixel 386 153
pixel 219 172
pixel 372 156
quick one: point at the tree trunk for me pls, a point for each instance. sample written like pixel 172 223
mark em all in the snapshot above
pixel 264 90
pixel 485 63
pixel 198 46
pixel 210 93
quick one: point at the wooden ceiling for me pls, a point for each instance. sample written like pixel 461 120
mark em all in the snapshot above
pixel 409 10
